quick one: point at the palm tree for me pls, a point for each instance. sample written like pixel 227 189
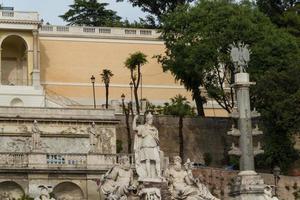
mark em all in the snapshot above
pixel 134 64
pixel 106 76
pixel 180 108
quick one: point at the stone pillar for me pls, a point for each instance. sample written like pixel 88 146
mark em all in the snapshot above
pixel 0 66
pixel 242 85
pixel 248 185
pixel 36 68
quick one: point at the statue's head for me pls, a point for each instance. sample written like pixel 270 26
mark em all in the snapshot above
pixel 93 124
pixel 124 161
pixel 177 161
pixel 149 118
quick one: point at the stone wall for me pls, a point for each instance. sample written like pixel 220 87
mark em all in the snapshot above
pixel 201 135
pixel 219 181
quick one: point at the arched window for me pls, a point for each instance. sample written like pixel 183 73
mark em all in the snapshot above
pixel 16 102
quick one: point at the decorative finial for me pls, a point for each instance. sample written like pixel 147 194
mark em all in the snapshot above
pixel 240 56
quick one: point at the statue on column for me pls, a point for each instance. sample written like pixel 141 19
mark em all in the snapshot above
pixel 93 138
pixel 118 181
pixel 240 56
pixel 183 185
pixel 36 137
pixel 146 148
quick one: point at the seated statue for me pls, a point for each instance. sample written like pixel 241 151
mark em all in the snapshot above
pixel 268 194
pixel 6 196
pixel 117 182
pixel 183 185
pixel 44 194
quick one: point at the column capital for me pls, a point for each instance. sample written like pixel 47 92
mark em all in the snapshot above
pixel 35 33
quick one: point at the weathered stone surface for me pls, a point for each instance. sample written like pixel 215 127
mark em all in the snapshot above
pixel 201 136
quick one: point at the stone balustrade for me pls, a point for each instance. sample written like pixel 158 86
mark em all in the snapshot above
pixel 46 161
pixel 106 32
pixel 67 160
pixel 15 160
pixel 39 113
pixel 19 15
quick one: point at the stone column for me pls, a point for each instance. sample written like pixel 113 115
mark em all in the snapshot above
pixel 0 66
pixel 36 67
pixel 242 85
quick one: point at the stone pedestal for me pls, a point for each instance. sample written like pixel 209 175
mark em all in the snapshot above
pixel 248 185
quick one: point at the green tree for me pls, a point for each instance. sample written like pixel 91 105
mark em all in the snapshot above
pixel 197 40
pixel 134 63
pixel 180 108
pixel 106 75
pixel 90 13
pixel 156 8
pixel 284 13
pixel 277 96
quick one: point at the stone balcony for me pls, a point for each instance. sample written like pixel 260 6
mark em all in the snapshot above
pixel 19 15
pixel 19 20
pixel 99 32
pixel 62 162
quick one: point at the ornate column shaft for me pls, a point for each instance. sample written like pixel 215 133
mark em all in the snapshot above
pixel 242 85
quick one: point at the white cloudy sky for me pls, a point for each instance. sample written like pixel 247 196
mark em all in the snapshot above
pixel 50 9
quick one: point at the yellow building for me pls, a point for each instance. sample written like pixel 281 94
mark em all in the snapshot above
pixel 43 65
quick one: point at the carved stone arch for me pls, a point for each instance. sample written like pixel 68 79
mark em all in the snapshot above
pixel 11 189
pixel 68 191
pixel 4 37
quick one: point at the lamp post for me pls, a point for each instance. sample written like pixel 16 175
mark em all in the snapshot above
pixel 93 83
pixel 131 86
pixel 123 104
pixel 141 86
pixel 126 113
pixel 276 173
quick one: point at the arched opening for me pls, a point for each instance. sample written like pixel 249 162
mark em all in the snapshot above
pixel 14 69
pixel 11 190
pixel 16 102
pixel 68 191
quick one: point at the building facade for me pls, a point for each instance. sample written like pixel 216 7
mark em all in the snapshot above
pixel 52 65
pixel 50 135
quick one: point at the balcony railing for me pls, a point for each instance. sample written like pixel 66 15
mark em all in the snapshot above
pixel 19 15
pixel 60 161
pixel 16 160
pixel 99 32
pixel 67 160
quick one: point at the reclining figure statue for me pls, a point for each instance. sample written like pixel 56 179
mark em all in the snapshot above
pixel 183 185
pixel 117 182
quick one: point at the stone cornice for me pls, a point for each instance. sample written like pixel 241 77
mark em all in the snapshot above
pixel 8 21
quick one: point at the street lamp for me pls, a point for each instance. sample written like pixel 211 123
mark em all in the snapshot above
pixel 131 86
pixel 276 173
pixel 141 86
pixel 126 113
pixel 123 104
pixel 93 83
